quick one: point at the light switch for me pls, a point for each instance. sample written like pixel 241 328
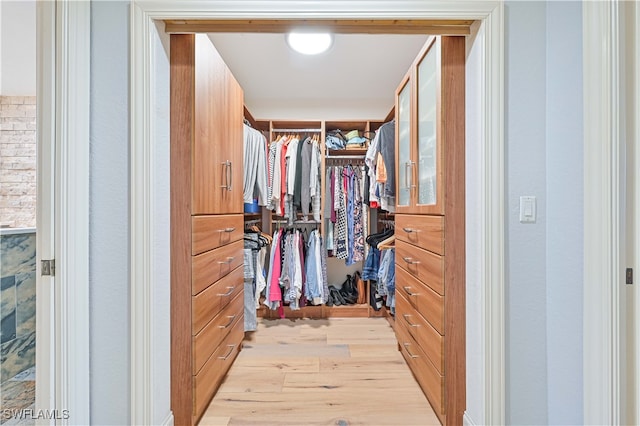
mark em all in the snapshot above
pixel 527 209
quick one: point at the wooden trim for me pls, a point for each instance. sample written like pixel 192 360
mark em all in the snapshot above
pixel 182 105
pixel 336 26
pixel 453 111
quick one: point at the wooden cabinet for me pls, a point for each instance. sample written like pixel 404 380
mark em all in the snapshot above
pixel 207 296
pixel 430 224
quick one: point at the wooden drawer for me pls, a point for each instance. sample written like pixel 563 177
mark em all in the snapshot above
pixel 431 382
pixel 208 303
pixel 430 341
pixel 207 381
pixel 422 231
pixel 426 301
pixel 211 231
pixel 207 341
pixel 423 265
pixel 209 267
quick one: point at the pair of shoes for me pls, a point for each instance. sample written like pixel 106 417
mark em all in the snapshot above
pixel 335 297
pixel 349 291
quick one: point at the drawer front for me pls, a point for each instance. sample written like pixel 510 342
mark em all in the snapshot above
pixel 207 381
pixel 208 303
pixel 431 382
pixel 421 264
pixel 207 341
pixel 422 231
pixel 430 341
pixel 213 231
pixel 209 267
pixel 426 301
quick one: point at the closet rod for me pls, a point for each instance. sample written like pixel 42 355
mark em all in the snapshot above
pixel 345 157
pixel 297 130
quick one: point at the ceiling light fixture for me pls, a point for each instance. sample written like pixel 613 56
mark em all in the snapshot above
pixel 309 43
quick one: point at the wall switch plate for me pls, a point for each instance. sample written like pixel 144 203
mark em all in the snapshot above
pixel 527 209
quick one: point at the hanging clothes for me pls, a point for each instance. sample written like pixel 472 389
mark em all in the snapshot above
pixel 294 167
pixel 297 270
pixel 380 160
pixel 255 249
pixel 348 221
pixel 255 166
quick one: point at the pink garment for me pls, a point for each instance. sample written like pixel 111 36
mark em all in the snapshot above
pixel 275 294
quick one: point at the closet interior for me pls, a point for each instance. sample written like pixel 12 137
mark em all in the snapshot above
pixel 280 218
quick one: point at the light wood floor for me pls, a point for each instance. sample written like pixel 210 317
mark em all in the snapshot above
pixel 338 371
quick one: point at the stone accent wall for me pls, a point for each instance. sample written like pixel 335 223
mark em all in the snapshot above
pixel 18 161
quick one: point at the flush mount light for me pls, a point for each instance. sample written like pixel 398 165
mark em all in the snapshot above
pixel 309 43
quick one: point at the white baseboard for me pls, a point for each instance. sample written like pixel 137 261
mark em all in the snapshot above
pixel 466 420
pixel 169 420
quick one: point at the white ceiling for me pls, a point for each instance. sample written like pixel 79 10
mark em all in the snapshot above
pixel 355 79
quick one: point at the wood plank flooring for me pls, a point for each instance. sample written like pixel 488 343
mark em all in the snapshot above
pixel 337 371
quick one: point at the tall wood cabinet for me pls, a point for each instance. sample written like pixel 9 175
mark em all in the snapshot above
pixel 430 224
pixel 207 302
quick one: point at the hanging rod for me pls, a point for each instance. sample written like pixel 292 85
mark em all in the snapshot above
pixel 252 221
pixel 297 130
pixel 345 157
pixel 296 222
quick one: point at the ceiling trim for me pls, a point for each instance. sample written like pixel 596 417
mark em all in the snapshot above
pixel 336 26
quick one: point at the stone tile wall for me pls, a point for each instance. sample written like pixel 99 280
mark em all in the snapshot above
pixel 18 161
pixel 17 304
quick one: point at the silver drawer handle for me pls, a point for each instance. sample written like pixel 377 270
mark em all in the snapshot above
pixel 410 261
pixel 406 347
pixel 409 292
pixel 231 318
pixel 228 261
pixel 231 348
pixel 406 316
pixel 410 230
pixel 228 230
pixel 231 289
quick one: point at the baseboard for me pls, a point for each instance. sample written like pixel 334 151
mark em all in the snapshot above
pixel 169 420
pixel 466 420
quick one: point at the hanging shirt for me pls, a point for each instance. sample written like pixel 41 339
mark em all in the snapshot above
pixel 255 166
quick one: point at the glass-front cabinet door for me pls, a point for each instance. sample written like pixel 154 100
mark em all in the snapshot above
pixel 404 178
pixel 428 168
pixel 419 156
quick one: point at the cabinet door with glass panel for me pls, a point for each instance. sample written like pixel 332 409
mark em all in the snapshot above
pixel 421 134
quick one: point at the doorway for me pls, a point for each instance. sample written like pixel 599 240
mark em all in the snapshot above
pixel 454 378
pixel 487 364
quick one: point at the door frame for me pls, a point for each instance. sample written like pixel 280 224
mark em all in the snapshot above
pixel 62 213
pixel 145 15
pixel 605 112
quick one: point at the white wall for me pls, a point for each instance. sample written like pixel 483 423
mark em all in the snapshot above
pixel 18 48
pixel 543 49
pixel 564 145
pixel 109 214
pixel 526 351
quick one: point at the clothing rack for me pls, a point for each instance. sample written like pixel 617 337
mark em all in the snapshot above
pixel 296 130
pixel 388 222
pixel 345 157
pixel 252 221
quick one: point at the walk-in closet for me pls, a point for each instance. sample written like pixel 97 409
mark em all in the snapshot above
pixel 280 218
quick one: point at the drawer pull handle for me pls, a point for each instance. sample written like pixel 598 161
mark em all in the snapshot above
pixel 410 261
pixel 409 292
pixel 410 230
pixel 231 348
pixel 231 318
pixel 228 261
pixel 228 230
pixel 227 293
pixel 228 175
pixel 406 347
pixel 406 318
